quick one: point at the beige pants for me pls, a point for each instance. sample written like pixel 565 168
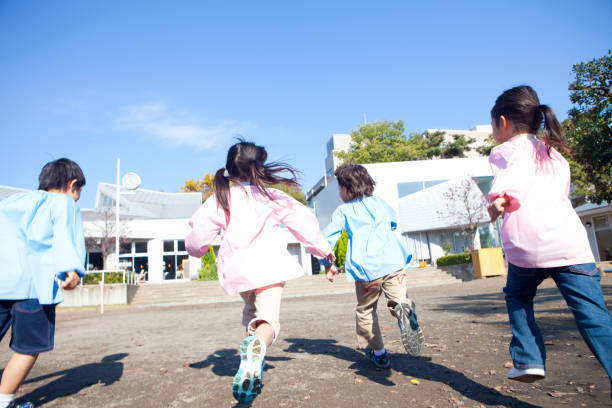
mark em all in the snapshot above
pixel 368 293
pixel 262 304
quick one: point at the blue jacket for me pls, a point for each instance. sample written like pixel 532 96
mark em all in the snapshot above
pixel 373 249
pixel 41 238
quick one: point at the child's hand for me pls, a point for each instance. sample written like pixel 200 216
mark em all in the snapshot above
pixel 71 281
pixel 331 257
pixel 497 207
pixel 330 273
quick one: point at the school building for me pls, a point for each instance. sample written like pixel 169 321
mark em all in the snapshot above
pixel 597 220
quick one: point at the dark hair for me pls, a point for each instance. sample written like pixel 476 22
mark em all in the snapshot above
pixel 247 162
pixel 520 105
pixel 356 181
pixel 58 173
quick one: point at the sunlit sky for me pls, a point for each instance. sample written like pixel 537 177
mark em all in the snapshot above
pixel 168 86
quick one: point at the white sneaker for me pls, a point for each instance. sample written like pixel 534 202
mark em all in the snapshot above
pixel 527 375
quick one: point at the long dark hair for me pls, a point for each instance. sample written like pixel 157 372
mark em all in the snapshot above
pixel 247 162
pixel 521 106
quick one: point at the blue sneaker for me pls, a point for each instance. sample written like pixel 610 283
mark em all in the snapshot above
pixel 412 334
pixel 381 361
pixel 247 381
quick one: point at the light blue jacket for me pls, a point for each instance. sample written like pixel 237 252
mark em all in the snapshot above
pixel 41 238
pixel 373 249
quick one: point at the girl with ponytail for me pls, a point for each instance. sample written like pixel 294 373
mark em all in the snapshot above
pixel 542 235
pixel 253 259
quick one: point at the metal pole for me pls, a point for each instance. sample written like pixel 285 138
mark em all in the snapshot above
pixel 118 194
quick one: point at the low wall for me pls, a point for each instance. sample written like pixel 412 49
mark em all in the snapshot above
pixel 465 271
pixel 89 295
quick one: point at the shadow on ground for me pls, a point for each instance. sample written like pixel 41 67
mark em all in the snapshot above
pixel 108 371
pixel 225 362
pixel 417 367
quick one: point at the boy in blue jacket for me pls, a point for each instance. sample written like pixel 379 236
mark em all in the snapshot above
pixel 42 249
pixel 375 261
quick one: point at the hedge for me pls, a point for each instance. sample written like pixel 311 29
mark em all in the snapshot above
pixel 454 259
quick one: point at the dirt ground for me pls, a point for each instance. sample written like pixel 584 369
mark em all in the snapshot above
pixel 185 356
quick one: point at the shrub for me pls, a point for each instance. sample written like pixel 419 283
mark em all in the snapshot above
pixel 454 259
pixel 340 251
pixel 109 277
pixel 208 271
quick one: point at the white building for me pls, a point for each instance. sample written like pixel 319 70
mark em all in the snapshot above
pixel 597 220
pixel 416 191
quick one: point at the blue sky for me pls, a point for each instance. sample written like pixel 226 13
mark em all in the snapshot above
pixel 166 86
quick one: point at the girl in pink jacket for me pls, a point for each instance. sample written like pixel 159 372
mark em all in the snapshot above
pixel 542 235
pixel 253 258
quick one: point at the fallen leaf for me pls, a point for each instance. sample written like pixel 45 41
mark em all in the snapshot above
pixel 508 364
pixel 548 343
pixel 186 365
pixel 162 371
pixel 414 381
pixel 556 394
pixel 358 380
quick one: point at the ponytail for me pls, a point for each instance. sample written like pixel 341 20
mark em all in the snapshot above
pixel 552 132
pixel 521 107
pixel 222 189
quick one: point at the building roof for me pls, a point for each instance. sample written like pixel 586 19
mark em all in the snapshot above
pixel 143 203
pixel 593 209
pixel 431 209
pixel 6 191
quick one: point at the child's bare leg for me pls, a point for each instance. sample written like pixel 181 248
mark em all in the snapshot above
pixel 264 331
pixel 16 371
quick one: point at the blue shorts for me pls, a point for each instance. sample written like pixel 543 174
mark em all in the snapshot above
pixel 33 325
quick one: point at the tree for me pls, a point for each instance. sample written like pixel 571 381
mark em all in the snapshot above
pixel 385 141
pixel 207 187
pixel 208 271
pixel 466 207
pixel 485 149
pixel 101 234
pixel 340 251
pixel 589 129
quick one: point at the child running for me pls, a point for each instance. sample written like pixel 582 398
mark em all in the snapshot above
pixel 375 261
pixel 41 241
pixel 542 235
pixel 253 258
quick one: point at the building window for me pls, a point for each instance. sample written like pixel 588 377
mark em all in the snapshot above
pixel 134 258
pixel 175 260
pixel 603 236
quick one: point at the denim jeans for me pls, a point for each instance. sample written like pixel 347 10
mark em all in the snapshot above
pixel 579 285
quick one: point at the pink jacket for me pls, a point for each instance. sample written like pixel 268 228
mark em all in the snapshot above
pixel 540 228
pixel 253 251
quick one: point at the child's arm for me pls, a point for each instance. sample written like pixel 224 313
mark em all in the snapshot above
pixel 330 272
pixel 513 171
pixel 68 242
pixel 205 223
pixel 302 224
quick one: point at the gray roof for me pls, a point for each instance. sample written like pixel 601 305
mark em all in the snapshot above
pixel 143 203
pixel 6 191
pixel 429 209
pixel 590 208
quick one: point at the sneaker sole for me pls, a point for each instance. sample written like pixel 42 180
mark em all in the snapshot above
pixel 413 340
pixel 247 381
pixel 527 378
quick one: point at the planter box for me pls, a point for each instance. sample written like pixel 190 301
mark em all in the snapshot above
pixel 488 262
pixel 89 295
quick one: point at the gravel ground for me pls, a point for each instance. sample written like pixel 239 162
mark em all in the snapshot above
pixel 185 356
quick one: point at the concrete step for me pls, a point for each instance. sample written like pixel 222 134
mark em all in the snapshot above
pixel 210 291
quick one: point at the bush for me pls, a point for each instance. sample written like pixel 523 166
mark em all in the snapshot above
pixel 340 251
pixel 208 271
pixel 109 277
pixel 454 259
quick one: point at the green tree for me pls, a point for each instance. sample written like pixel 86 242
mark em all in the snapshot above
pixel 379 142
pixel 489 144
pixel 340 251
pixel 385 141
pixel 589 129
pixel 208 271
